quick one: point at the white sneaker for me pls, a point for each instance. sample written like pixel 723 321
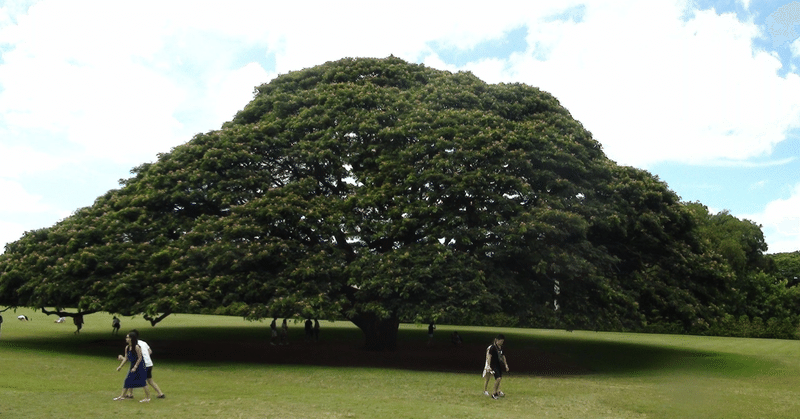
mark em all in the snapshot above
pixel 501 394
pixel 485 393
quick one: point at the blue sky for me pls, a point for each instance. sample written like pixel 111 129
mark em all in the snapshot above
pixel 705 95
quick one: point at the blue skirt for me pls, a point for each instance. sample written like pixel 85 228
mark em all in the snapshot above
pixel 136 378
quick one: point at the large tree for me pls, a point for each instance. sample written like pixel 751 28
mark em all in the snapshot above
pixel 377 191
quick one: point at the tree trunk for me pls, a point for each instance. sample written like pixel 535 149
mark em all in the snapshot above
pixel 379 334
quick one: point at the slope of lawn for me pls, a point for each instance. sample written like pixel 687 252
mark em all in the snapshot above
pixel 212 366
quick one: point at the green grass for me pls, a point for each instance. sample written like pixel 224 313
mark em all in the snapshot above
pixel 46 371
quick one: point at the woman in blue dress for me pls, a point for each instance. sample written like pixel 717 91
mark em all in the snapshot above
pixel 137 376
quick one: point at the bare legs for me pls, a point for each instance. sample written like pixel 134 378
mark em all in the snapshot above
pixel 496 385
pixel 128 393
pixel 155 386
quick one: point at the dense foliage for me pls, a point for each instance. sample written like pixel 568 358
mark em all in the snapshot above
pixel 787 267
pixel 381 191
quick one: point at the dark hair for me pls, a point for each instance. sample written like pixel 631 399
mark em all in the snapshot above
pixel 134 340
pixel 135 332
pixel 500 336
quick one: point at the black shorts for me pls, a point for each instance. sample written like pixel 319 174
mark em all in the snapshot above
pixel 498 371
pixel 149 372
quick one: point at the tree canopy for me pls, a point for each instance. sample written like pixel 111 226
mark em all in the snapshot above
pixel 787 267
pixel 381 191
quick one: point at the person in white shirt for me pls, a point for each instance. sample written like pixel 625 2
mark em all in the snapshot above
pixel 148 363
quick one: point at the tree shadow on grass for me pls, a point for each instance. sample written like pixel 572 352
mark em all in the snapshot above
pixel 548 356
pixel 607 357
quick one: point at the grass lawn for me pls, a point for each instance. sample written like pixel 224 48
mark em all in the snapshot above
pixel 223 367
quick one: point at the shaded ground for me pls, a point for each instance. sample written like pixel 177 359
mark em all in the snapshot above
pixel 467 358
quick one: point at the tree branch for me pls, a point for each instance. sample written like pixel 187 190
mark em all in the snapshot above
pixel 60 313
pixel 154 320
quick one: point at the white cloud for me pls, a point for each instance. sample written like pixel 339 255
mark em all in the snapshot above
pixel 794 47
pixel 303 37
pixel 235 90
pixel 9 232
pixel 125 80
pixel 745 4
pixel 648 84
pixel 433 60
pixel 78 70
pixel 652 87
pixel 748 163
pixel 491 70
pixel 19 160
pixel 781 222
pixel 758 185
pixel 17 200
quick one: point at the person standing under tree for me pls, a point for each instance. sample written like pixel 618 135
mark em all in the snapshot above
pixel 309 326
pixel 78 320
pixel 284 333
pixel 495 364
pixel 274 332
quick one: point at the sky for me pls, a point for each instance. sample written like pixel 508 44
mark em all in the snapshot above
pixel 705 94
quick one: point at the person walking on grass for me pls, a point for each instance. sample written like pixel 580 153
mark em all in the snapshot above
pixel 115 325
pixel 137 375
pixel 495 364
pixel 148 364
